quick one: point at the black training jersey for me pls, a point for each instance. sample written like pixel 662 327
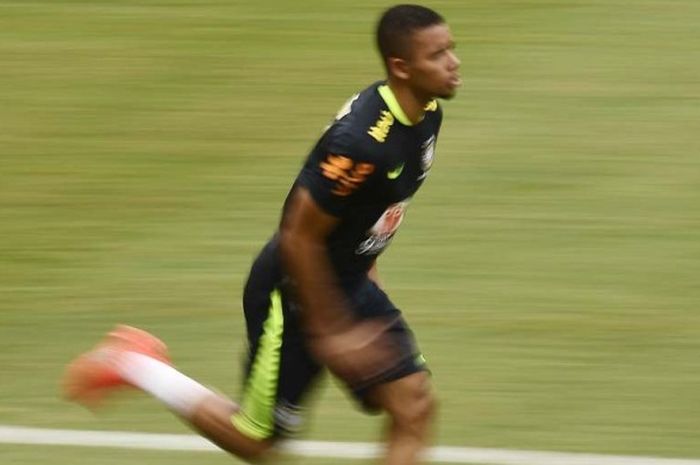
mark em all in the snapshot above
pixel 364 170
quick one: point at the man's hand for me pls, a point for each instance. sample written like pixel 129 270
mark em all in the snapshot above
pixel 358 352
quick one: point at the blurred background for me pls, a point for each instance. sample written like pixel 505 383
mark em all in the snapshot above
pixel 549 266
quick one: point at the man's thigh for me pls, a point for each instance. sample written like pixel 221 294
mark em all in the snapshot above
pixel 406 358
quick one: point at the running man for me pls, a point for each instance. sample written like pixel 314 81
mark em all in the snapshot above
pixel 313 298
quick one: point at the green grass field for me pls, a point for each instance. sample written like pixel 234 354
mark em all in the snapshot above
pixel 549 266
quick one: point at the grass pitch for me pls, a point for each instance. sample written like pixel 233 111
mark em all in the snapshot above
pixel 549 265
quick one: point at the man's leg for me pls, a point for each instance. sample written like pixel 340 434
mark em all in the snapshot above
pixel 411 406
pixel 212 419
pixel 131 357
pixel 403 390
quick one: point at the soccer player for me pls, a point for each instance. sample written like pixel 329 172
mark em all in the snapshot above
pixel 313 298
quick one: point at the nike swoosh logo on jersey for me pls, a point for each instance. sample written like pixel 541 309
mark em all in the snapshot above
pixel 395 173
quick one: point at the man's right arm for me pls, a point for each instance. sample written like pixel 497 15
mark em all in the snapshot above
pixel 303 232
pixel 355 351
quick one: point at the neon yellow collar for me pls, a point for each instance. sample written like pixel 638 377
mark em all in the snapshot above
pixel 390 99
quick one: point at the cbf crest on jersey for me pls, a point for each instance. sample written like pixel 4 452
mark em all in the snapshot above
pixel 380 235
pixel 427 155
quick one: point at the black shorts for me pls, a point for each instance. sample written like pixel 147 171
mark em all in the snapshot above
pixel 279 369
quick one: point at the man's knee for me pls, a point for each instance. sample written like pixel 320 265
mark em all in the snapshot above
pixel 255 453
pixel 419 411
pixel 250 449
pixel 410 402
pixel 213 419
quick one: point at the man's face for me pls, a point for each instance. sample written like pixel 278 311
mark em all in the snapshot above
pixel 433 66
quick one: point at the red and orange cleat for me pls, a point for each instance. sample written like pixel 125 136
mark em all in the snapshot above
pixel 94 374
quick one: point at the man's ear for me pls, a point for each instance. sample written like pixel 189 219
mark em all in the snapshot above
pixel 398 67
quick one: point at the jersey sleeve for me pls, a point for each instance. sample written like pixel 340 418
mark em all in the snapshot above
pixel 335 172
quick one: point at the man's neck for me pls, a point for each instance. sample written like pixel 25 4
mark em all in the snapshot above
pixel 411 104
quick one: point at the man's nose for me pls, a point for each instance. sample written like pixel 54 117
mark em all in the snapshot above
pixel 454 60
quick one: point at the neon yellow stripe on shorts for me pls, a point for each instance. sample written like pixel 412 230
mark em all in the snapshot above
pixel 255 419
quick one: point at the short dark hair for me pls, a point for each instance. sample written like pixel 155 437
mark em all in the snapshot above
pixel 396 26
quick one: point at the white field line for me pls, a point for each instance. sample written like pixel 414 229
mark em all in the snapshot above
pixel 342 450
